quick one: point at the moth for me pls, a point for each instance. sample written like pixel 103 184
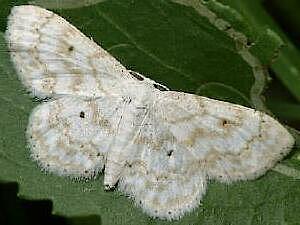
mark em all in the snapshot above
pixel 159 146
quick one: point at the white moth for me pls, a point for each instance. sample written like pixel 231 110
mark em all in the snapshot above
pixel 160 146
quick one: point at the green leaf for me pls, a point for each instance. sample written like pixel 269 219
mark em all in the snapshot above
pixel 184 47
pixel 287 66
pixel 64 4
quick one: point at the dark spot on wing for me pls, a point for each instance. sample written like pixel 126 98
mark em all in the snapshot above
pixel 71 48
pixel 82 114
pixel 225 122
pixel 170 152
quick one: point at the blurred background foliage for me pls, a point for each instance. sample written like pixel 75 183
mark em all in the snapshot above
pixel 169 42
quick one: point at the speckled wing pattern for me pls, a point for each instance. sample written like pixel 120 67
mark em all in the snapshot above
pixel 160 146
pixel 55 59
pixel 71 136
